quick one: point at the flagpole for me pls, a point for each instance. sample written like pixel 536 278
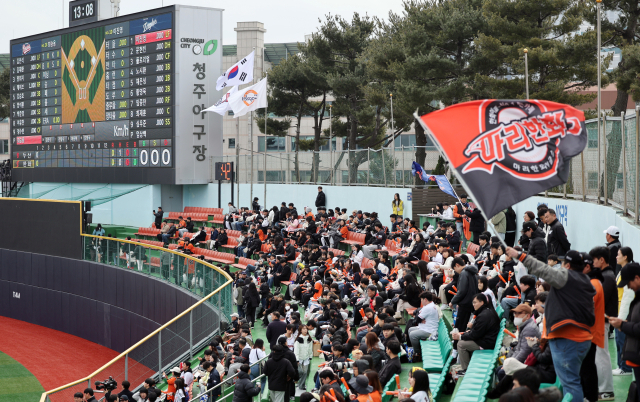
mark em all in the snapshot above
pixel 251 140
pixel 526 72
pixel 265 139
pixel 459 177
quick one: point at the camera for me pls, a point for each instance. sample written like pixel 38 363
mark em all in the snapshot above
pixel 107 385
pixel 342 366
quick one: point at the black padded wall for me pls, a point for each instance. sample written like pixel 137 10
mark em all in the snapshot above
pixel 110 306
pixel 41 226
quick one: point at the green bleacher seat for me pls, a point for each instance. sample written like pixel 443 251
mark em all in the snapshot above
pixel 392 385
pixel 435 353
pixel 499 310
pixel 437 379
pixel 556 384
pixel 475 383
pixel 567 398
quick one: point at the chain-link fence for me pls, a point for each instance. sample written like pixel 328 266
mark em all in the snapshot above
pixel 608 165
pixel 387 167
pixel 175 341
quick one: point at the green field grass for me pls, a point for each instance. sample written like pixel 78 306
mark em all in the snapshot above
pixel 17 384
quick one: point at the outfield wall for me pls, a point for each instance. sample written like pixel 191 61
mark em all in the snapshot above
pixel 110 306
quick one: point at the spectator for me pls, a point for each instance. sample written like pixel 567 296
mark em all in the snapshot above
pixel 557 242
pixel 275 329
pixel 171 383
pixel 464 298
pixel 211 379
pixel 476 225
pixel 520 394
pixel 630 277
pixel 537 247
pixel 482 335
pixel 88 395
pixel 141 396
pixel 427 322
pixel 303 349
pixel 125 390
pixel 374 381
pixel 612 234
pixel 600 257
pixel 527 294
pixel 391 366
pixel 419 382
pixel 499 222
pixel 625 297
pixel 377 243
pixel 321 199
pixel 569 314
pixel 360 384
pixel 528 378
pixel 244 389
pixel 527 328
pixel 510 234
pixel 458 214
pixel 278 369
pixel 158 217
pixel 397 206
pixel 374 346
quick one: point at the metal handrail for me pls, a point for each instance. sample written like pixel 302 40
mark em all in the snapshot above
pixel 45 394
pixel 233 377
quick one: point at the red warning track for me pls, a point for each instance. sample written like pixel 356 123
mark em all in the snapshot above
pixel 56 358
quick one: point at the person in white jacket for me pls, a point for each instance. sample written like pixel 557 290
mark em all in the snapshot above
pixel 303 349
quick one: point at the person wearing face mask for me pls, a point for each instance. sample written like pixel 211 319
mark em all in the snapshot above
pixel 527 328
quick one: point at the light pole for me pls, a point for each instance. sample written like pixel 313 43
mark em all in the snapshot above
pixel 526 72
pixel 599 6
pixel 393 145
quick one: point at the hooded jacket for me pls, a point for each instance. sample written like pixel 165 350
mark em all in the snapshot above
pixel 610 292
pixel 467 286
pixel 485 328
pixel 537 246
pixel 277 369
pixel 244 389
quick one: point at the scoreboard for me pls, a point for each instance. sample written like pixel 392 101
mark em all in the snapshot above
pixel 97 102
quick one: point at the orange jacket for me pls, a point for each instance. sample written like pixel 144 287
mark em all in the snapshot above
pixel 344 231
pixel 597 330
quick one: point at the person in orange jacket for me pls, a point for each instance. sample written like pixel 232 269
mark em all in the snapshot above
pixel 171 383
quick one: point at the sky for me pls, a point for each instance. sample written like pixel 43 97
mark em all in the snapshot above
pixel 284 20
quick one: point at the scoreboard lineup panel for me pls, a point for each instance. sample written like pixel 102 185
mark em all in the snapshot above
pixel 100 95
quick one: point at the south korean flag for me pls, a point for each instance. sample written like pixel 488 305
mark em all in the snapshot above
pixel 240 73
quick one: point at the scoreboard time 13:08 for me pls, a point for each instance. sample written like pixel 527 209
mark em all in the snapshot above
pixel 96 96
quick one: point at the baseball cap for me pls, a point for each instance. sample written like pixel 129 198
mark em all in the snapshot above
pixel 574 257
pixel 175 370
pixel 235 315
pixel 522 308
pixel 124 398
pixel 612 231
pixel 586 257
pixel 628 273
pixel 529 225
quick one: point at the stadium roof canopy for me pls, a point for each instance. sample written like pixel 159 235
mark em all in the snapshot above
pixel 274 52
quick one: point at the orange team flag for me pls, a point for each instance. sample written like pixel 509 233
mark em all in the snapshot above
pixel 505 150
pixel 362 313
pixel 466 228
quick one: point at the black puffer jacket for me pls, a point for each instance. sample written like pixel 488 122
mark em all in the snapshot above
pixel 537 246
pixel 557 242
pixel 244 390
pixel 277 369
pixel 485 328
pixel 544 365
pixel 477 220
pixel 467 286
pixel 631 329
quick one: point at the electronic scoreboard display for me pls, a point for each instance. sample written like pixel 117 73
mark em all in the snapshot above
pixel 97 102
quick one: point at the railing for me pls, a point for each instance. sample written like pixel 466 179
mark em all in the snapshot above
pixel 174 341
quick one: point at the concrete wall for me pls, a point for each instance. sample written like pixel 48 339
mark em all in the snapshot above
pixel 584 222
pixel 367 199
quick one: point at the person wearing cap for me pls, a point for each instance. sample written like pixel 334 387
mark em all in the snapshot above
pixel 171 383
pixel 630 277
pixel 527 328
pixel 589 370
pixel 360 384
pixel 612 235
pixel 600 257
pixel 569 315
pixel 537 247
